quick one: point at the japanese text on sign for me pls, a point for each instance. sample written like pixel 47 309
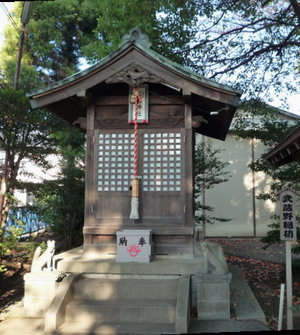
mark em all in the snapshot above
pixel 287 216
pixel 133 249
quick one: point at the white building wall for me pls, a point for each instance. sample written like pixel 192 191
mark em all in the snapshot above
pixel 232 199
pixel 30 172
pixel 235 199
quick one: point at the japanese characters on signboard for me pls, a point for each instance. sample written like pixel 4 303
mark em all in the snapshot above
pixel 143 107
pixel 134 246
pixel 287 216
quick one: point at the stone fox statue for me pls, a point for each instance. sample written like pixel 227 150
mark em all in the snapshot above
pixel 43 260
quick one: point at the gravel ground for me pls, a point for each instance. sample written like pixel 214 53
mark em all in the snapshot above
pixel 253 248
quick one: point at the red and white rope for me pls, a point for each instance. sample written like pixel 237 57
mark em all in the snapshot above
pixel 137 102
pixel 136 147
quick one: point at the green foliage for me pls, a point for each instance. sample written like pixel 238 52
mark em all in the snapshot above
pixel 60 203
pixel 9 242
pixel 23 131
pixel 61 32
pixel 170 25
pixel 263 123
pixel 273 235
pixel 53 43
pixel 209 172
pixel 24 134
pixel 252 45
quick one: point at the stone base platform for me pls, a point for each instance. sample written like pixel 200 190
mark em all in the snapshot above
pixel 201 283
pixel 75 261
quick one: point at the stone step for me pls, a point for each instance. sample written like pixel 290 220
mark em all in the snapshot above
pixel 121 311
pixel 241 292
pixel 159 249
pixel 103 248
pixel 125 289
pixel 83 328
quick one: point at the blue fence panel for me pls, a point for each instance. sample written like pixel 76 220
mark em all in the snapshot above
pixel 31 221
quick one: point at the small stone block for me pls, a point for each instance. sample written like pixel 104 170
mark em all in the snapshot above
pixel 213 297
pixel 40 289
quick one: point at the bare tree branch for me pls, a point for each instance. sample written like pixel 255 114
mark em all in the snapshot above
pixel 296 8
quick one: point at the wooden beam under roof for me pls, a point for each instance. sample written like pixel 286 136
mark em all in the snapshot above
pixel 288 150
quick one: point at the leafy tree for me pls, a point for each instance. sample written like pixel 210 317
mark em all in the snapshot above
pixel 8 57
pixel 262 122
pixel 170 25
pixel 24 133
pixel 253 44
pixel 249 44
pixel 61 202
pixel 51 47
pixel 63 32
pixel 27 133
pixel 209 172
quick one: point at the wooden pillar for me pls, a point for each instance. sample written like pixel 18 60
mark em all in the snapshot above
pixel 90 192
pixel 189 164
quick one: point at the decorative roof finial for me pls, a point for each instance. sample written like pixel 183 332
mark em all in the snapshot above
pixel 135 35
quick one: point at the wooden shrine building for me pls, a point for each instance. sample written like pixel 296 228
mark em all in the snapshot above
pixel 176 103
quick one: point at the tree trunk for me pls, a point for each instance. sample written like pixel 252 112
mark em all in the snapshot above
pixel 3 190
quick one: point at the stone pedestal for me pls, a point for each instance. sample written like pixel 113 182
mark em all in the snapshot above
pixel 134 246
pixel 40 289
pixel 213 296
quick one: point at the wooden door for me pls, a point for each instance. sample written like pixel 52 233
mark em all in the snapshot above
pixel 161 173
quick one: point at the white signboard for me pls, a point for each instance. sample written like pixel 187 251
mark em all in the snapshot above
pixel 142 108
pixel 134 246
pixel 287 216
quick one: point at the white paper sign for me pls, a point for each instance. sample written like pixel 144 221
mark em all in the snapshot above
pixel 143 107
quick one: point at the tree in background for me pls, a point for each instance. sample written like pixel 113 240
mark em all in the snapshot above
pixel 33 134
pixel 24 134
pixel 170 26
pixel 61 202
pixel 260 121
pixel 209 172
pixel 62 33
pixel 252 45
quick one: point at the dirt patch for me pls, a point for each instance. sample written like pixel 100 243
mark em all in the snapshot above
pixel 264 279
pixel 12 283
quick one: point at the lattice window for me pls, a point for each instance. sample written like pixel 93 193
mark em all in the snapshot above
pixel 115 162
pixel 162 161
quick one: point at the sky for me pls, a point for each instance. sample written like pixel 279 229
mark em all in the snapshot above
pixel 293 101
pixel 3 17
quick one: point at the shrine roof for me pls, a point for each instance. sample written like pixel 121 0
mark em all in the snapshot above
pixel 66 95
pixel 162 59
pixel 286 151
